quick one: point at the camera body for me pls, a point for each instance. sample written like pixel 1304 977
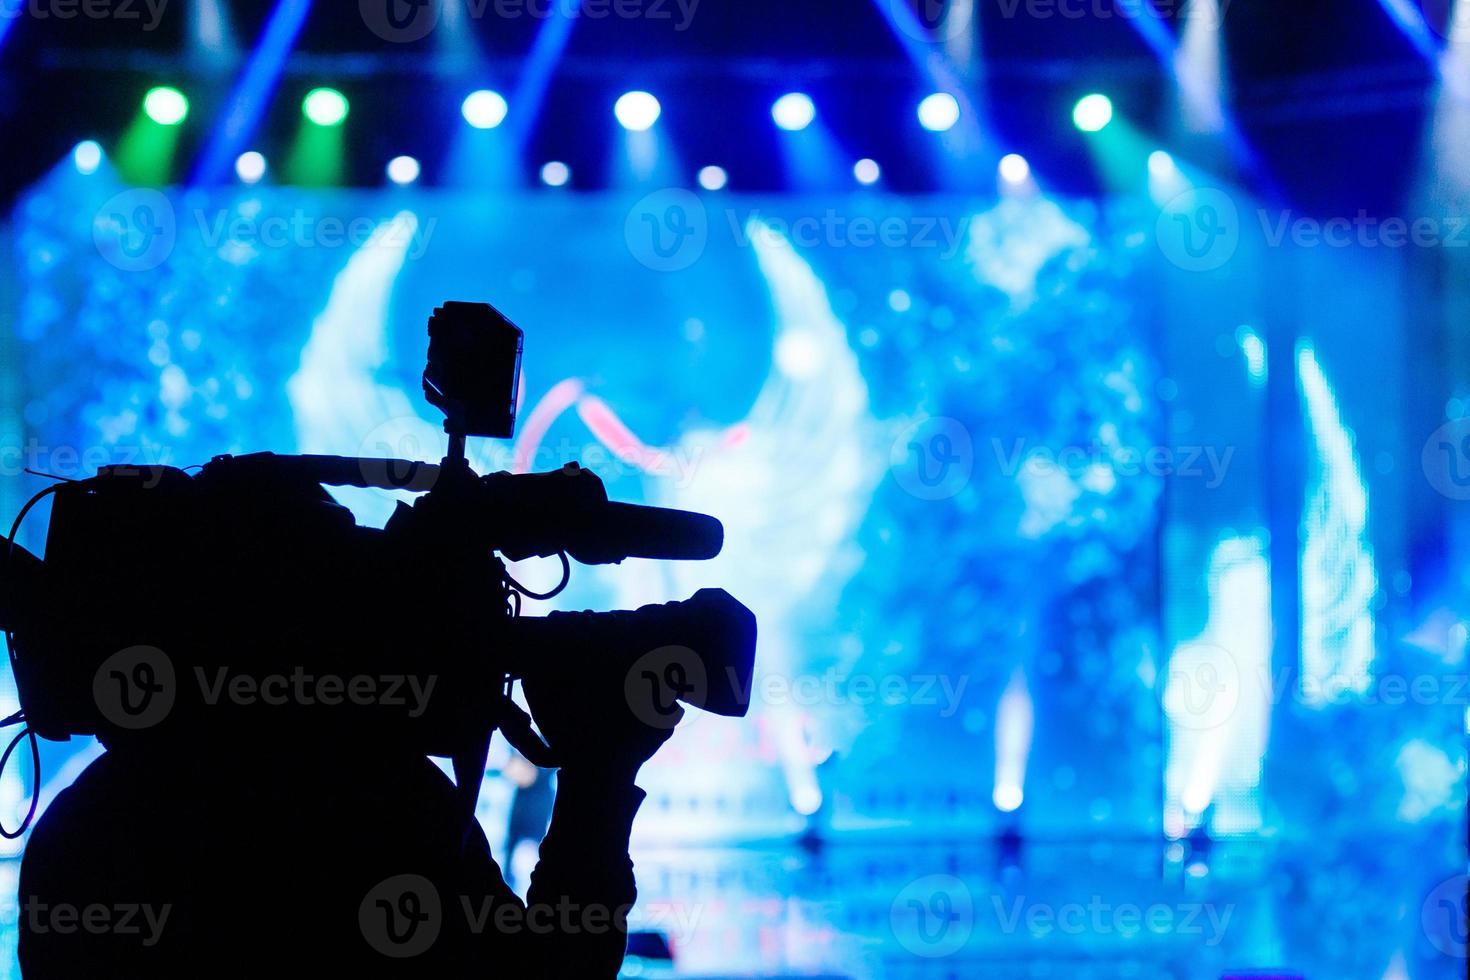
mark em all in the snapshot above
pixel 161 586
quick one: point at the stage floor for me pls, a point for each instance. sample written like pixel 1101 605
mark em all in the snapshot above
pixel 1076 909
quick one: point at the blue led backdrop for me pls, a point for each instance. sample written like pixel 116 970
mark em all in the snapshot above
pixel 1072 596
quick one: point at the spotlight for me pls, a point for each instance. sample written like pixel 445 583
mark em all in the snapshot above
pixel 713 178
pixel 87 157
pixel 1014 169
pixel 484 109
pixel 636 111
pixel 403 170
pixel 555 174
pixel 250 167
pixel 1092 112
pixel 939 112
pixel 1160 165
pixel 325 106
pixel 867 171
pixel 793 111
pixel 166 105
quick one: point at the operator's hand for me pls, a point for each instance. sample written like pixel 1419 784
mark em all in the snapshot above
pixel 597 723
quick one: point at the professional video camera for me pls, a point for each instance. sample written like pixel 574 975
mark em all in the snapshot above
pixel 159 586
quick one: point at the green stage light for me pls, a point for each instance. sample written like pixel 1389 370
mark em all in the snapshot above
pixel 325 106
pixel 1092 112
pixel 166 105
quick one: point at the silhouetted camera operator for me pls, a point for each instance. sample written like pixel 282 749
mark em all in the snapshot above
pixel 269 680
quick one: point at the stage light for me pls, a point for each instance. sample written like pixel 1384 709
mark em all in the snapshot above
pixel 1199 845
pixel 713 178
pixel 555 174
pixel 1254 349
pixel 939 112
pixel 636 111
pixel 1161 165
pixel 1092 112
pixel 1014 169
pixel 325 106
pixel 484 109
pixel 87 156
pixel 1007 797
pixel 250 167
pixel 404 170
pixel 793 111
pixel 253 92
pixel 166 105
pixel 867 171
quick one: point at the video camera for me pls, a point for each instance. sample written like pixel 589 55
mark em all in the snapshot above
pixel 160 585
